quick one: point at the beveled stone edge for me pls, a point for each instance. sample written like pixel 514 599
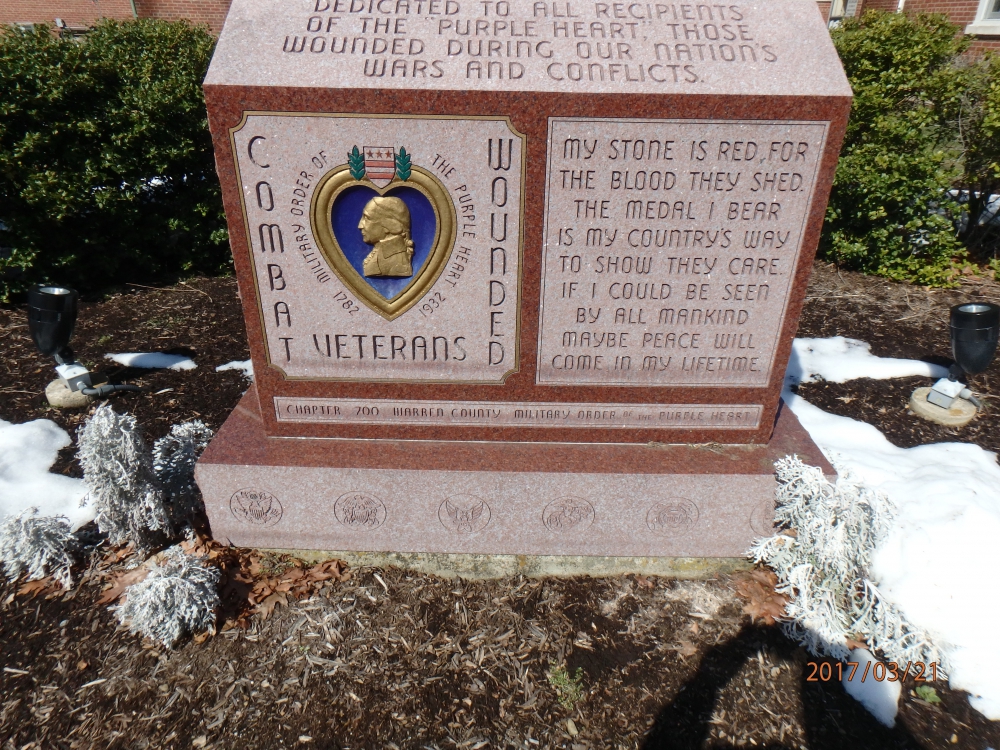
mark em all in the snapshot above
pixel 479 567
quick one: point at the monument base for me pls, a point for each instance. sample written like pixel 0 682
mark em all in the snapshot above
pixel 410 496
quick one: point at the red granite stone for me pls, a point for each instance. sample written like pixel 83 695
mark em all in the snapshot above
pixel 806 86
pixel 618 500
pixel 517 282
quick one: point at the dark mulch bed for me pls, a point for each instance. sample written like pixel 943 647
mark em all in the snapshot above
pixel 201 318
pixel 423 662
pixel 898 320
pixel 397 659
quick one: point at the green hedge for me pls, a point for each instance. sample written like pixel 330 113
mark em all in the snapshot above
pixel 925 123
pixel 107 173
pixel 106 164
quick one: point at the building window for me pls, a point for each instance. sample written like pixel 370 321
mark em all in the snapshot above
pixel 987 21
pixel 841 9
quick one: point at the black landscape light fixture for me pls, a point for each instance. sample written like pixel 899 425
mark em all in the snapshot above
pixel 975 329
pixel 51 319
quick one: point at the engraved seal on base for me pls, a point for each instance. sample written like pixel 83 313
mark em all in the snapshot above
pixel 672 515
pixel 360 510
pixel 568 514
pixel 256 507
pixel 465 514
pixel 762 518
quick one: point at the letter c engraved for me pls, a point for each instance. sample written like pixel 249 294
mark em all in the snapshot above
pixel 250 151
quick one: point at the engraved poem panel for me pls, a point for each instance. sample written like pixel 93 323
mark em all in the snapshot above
pixel 669 249
pixel 384 248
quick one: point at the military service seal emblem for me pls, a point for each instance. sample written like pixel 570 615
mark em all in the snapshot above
pixel 386 226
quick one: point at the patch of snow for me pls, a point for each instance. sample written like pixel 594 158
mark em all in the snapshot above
pixel 245 366
pixel 153 360
pixel 881 698
pixel 27 451
pixel 838 359
pixel 938 565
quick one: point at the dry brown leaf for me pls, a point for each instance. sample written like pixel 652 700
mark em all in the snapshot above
pixel 42 585
pixel 117 555
pixel 763 602
pixel 685 648
pixel 266 607
pixel 644 582
pixel 121 582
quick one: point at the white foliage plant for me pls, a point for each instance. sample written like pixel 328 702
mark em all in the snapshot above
pixel 822 560
pixel 38 545
pixel 119 473
pixel 140 497
pixel 174 457
pixel 179 596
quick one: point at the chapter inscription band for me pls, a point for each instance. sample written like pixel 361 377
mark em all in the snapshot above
pixel 516 414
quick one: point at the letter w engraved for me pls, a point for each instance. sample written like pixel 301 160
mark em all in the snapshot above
pixel 273 230
pixel 500 160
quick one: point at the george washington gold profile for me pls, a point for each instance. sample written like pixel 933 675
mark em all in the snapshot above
pixel 385 224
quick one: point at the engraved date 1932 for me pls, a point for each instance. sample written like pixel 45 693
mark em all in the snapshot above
pixel 824 671
pixel 433 303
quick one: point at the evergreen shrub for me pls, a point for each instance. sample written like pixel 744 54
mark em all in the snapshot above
pixel 106 164
pixel 891 212
pixel 972 112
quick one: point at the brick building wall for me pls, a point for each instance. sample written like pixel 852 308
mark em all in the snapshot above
pixel 889 6
pixel 75 13
pixel 83 13
pixel 959 12
pixel 211 12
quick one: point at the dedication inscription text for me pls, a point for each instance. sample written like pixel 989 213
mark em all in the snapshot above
pixel 670 247
pixel 516 414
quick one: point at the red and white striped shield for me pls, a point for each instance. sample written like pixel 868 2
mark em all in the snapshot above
pixel 380 164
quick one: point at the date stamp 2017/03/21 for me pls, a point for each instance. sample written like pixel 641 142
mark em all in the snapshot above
pixel 824 671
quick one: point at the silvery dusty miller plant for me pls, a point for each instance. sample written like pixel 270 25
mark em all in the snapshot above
pixel 178 596
pixel 825 567
pixel 40 545
pixel 174 457
pixel 119 473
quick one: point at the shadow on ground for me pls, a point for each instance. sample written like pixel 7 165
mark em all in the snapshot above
pixel 831 719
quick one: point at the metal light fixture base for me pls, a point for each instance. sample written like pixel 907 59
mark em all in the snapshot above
pixel 74 375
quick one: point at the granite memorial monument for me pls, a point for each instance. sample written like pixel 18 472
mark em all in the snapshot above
pixel 518 277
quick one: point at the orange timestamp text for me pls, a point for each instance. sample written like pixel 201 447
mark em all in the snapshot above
pixel 824 671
